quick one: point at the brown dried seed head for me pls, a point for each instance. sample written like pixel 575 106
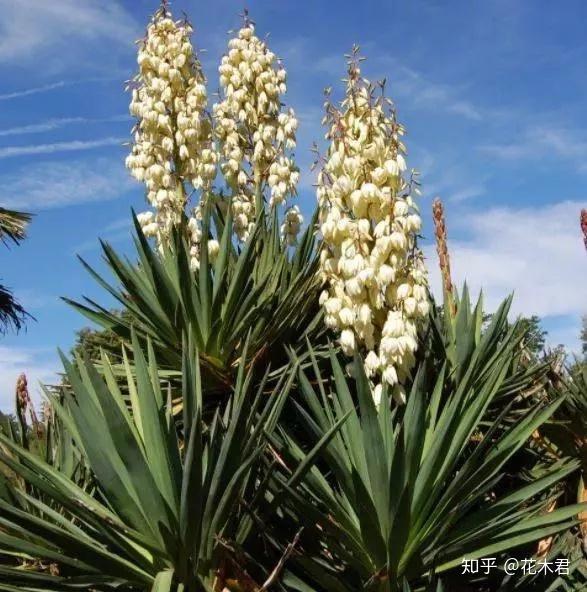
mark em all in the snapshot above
pixel 442 243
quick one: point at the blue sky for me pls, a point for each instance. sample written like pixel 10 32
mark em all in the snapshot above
pixel 493 96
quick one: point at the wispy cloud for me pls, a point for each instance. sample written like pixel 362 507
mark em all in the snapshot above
pixel 539 142
pixel 57 184
pixel 31 299
pixel 445 175
pixel 428 94
pixel 55 124
pixel 36 90
pixel 117 231
pixel 467 193
pixel 34 28
pixel 33 91
pixel 73 146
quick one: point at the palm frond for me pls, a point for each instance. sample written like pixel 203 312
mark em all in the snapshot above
pixel 13 225
pixel 12 313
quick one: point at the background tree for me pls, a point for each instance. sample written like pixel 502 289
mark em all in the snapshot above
pixel 532 330
pixel 89 341
pixel 534 334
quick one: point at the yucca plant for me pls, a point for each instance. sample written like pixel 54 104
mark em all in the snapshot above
pixel 44 436
pixel 229 446
pixel 257 290
pixel 406 492
pixel 47 439
pixel 164 502
pixel 229 263
pixel 545 382
pixel 564 436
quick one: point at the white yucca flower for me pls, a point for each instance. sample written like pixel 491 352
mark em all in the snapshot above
pixel 172 148
pixel 255 134
pixel 292 222
pixel 376 281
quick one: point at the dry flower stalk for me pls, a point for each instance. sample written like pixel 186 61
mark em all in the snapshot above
pixel 24 404
pixel 442 250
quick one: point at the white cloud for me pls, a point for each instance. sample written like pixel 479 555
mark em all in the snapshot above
pixel 32 300
pixel 73 146
pixel 454 184
pixel 56 184
pixel 55 124
pixel 431 95
pixel 543 142
pixel 36 128
pixel 39 365
pixel 466 193
pixel 34 28
pixel 536 252
pixel 443 174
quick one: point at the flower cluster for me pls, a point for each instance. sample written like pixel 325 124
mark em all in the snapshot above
pixel 173 135
pixel 292 223
pixel 254 133
pixel 175 139
pixel 195 234
pixel 376 281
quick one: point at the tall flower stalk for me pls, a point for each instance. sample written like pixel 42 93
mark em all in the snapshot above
pixel 376 281
pixel 172 152
pixel 256 135
pixel 443 255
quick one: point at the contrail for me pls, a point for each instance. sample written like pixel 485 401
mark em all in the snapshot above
pixel 73 146
pixel 34 91
pixel 53 124
pixel 53 86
